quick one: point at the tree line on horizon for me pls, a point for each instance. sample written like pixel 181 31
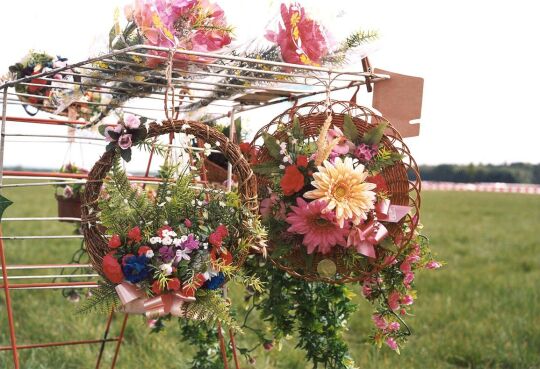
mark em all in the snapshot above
pixel 473 173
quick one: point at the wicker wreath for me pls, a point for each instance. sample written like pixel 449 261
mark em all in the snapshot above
pixel 96 242
pixel 402 179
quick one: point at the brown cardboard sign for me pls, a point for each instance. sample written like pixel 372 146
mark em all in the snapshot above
pixel 399 99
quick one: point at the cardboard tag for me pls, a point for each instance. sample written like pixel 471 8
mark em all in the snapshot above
pixel 399 99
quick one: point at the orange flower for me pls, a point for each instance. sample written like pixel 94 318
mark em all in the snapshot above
pixel 292 181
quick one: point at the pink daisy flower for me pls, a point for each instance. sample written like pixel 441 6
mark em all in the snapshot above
pixel 319 230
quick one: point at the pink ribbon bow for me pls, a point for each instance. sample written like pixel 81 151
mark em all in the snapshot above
pixel 366 236
pixel 135 301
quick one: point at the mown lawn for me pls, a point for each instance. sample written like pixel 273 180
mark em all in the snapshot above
pixel 481 311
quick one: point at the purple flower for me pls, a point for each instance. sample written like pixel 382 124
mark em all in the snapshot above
pixel 116 129
pixel 125 141
pixel 131 121
pixel 191 243
pixel 166 253
pixel 365 153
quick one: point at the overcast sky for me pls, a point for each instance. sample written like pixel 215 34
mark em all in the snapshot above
pixel 480 61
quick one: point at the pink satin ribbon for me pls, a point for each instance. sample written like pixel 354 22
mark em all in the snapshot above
pixel 135 301
pixel 373 232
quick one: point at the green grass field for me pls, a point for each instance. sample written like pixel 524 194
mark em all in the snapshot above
pixel 481 311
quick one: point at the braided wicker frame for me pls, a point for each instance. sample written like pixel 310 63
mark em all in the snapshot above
pixel 402 191
pixel 97 244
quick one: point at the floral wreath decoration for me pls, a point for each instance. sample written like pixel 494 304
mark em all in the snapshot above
pixel 168 254
pixel 336 196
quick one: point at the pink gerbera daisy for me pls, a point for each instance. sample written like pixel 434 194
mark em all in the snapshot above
pixel 319 230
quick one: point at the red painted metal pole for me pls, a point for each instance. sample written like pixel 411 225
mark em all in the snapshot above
pixel 120 339
pixel 102 347
pixel 222 346
pixel 9 308
pixel 53 122
pixel 46 285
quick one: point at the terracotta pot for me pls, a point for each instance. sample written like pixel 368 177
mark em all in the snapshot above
pixel 69 208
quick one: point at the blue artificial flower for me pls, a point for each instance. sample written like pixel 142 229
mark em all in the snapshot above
pixel 136 268
pixel 215 282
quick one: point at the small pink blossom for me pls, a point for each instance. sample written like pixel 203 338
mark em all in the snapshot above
pixel 131 121
pixel 394 326
pixel 405 267
pixel 407 300
pixel 117 129
pixel 393 300
pixel 125 141
pixel 379 321
pixel 409 277
pixel 343 146
pixel 392 343
pixel 68 192
pixel 365 153
pixel 271 206
pixel 188 223
pixel 433 265
pixel 412 258
pixel 366 290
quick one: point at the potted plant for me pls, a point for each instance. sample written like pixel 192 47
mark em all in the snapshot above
pixel 68 196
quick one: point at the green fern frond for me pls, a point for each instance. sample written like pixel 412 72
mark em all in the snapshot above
pixel 359 38
pixel 211 307
pixel 104 299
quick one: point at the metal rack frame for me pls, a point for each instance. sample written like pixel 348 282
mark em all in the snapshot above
pixel 278 83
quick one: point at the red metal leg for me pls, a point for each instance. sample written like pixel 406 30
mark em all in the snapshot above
pixel 107 327
pixel 8 305
pixel 120 339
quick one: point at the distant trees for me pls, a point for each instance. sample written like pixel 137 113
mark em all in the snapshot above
pixel 508 173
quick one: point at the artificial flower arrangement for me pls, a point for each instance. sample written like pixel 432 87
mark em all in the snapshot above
pixel 39 89
pixel 129 131
pixel 168 254
pixel 336 202
pixel 303 40
pixel 68 196
pixel 193 25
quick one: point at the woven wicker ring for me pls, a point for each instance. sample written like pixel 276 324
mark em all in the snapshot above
pixel 96 242
pixel 402 179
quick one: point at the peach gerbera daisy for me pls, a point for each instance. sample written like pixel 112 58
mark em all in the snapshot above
pixel 345 190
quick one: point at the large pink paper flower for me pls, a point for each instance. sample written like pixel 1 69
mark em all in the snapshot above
pixel 302 40
pixel 195 25
pixel 320 230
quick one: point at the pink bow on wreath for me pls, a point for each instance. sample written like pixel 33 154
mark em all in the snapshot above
pixel 135 301
pixel 367 235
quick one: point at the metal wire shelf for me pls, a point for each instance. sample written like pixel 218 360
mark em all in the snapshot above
pixel 244 83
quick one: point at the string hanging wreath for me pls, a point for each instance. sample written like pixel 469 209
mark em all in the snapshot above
pixel 169 253
pixel 335 190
